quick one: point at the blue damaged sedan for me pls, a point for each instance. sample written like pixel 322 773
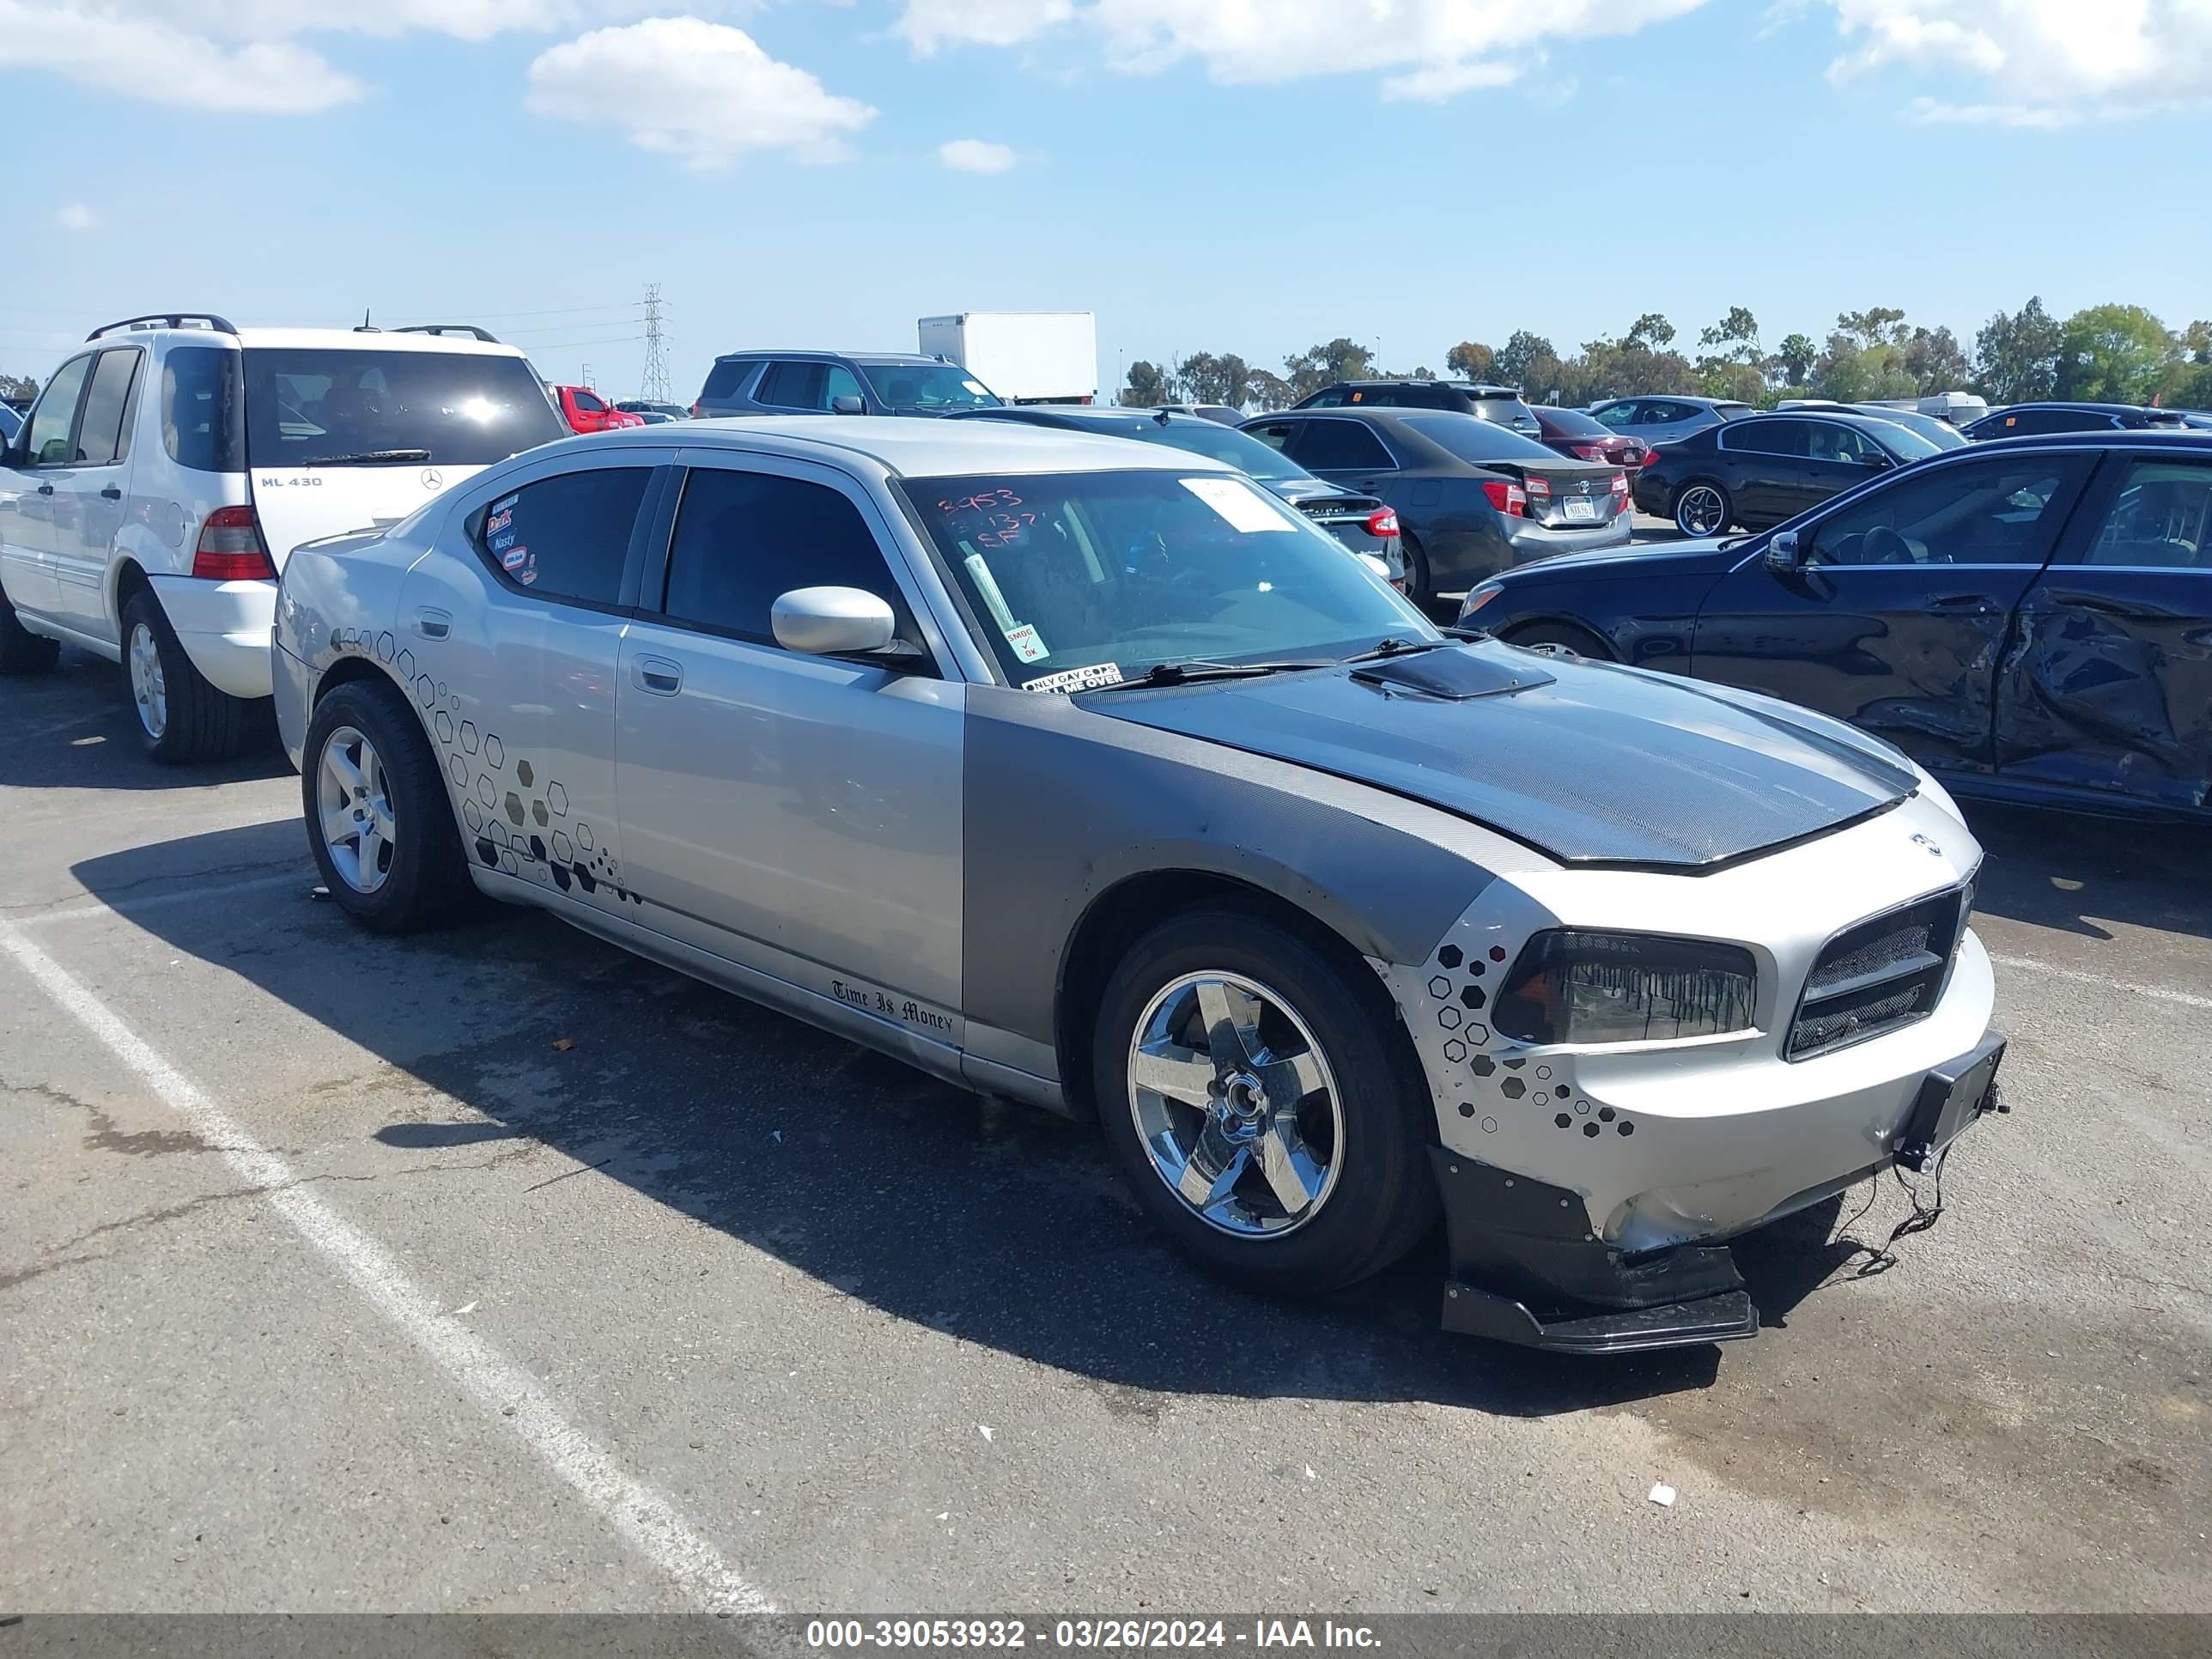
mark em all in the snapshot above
pixel 1090 774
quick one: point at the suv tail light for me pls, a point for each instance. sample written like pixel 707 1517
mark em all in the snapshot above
pixel 1507 497
pixel 231 549
pixel 695 411
pixel 1383 521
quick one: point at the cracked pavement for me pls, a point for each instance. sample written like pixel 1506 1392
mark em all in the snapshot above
pixel 785 1284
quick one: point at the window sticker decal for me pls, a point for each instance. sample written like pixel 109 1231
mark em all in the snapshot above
pixel 505 502
pixel 499 522
pixel 513 558
pixel 1086 678
pixel 1238 504
pixel 1029 645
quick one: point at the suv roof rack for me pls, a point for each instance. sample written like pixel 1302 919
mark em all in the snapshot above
pixel 206 320
pixel 468 329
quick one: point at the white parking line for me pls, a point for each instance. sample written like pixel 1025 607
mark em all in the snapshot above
pixel 2104 981
pixel 651 1524
pixel 303 878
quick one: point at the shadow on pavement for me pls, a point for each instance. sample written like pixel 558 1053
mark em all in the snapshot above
pixel 74 728
pixel 2074 873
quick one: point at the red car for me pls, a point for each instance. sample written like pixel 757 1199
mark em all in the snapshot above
pixel 1573 433
pixel 584 410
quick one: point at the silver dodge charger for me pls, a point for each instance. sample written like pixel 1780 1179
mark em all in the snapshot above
pixel 1085 773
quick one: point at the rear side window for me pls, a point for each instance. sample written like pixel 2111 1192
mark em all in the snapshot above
pixel 2160 519
pixel 340 406
pixel 55 417
pixel 744 538
pixel 791 386
pixel 1341 446
pixel 567 537
pixel 103 434
pixel 724 379
pixel 202 424
pixel 1792 438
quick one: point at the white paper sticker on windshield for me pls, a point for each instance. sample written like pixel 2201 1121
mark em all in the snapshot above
pixel 1028 645
pixel 977 387
pixel 1077 679
pixel 1238 503
pixel 987 586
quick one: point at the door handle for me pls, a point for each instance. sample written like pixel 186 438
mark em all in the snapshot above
pixel 432 624
pixel 658 675
pixel 1961 604
pixel 46 490
pixel 111 494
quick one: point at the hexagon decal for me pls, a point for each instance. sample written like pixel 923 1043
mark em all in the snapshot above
pixel 557 799
pixel 468 737
pixel 425 692
pixel 1440 988
pixel 406 664
pixel 442 723
pixel 458 769
pixel 1485 1066
pixel 1450 956
pixel 1454 1051
pixel 473 815
pixel 561 848
pixel 522 774
pixel 1514 1088
pixel 495 750
pixel 514 809
pixel 1448 1017
pixel 487 791
pixel 385 645
pixel 1472 996
pixel 537 811
pixel 583 831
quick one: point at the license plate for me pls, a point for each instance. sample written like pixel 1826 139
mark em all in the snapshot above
pixel 1952 1098
pixel 1583 512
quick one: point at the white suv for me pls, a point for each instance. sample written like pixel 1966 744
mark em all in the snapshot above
pixel 170 467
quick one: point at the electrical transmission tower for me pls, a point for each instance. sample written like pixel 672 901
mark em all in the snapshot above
pixel 655 386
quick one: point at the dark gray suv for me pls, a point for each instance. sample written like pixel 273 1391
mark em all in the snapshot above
pixel 838 383
pixel 1500 405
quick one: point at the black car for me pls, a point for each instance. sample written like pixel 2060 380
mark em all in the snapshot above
pixel 1361 521
pixel 1498 404
pixel 837 383
pixel 1471 497
pixel 1763 469
pixel 2030 619
pixel 2026 420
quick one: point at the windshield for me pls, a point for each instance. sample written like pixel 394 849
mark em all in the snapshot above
pixel 1478 440
pixel 1224 443
pixel 1091 578
pixel 1942 433
pixel 319 406
pixel 1572 423
pixel 927 388
pixel 1903 441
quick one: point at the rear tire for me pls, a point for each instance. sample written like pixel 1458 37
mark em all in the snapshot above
pixel 380 822
pixel 22 651
pixel 182 719
pixel 1320 1094
pixel 1702 508
pixel 1580 640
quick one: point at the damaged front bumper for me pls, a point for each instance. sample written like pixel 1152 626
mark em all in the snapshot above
pixel 1588 1191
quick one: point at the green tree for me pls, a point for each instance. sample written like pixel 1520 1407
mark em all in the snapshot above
pixel 1852 371
pixel 1205 378
pixel 1146 386
pixel 2016 356
pixel 1649 332
pixel 1527 360
pixel 1936 360
pixel 1472 360
pixel 17 388
pixel 1794 359
pixel 1269 391
pixel 1877 326
pixel 1735 338
pixel 2112 354
pixel 1341 359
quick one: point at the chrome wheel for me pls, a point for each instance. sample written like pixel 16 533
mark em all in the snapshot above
pixel 1702 511
pixel 148 689
pixel 1235 1103
pixel 356 810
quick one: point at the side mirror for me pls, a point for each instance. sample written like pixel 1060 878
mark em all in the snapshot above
pixel 1876 458
pixel 1783 554
pixel 848 404
pixel 833 621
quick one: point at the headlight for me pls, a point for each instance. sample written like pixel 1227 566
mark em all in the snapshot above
pixel 1571 987
pixel 1478 598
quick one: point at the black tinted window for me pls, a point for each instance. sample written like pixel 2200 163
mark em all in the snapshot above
pixel 103 435
pixel 2160 519
pixel 723 380
pixel 1993 512
pixel 202 425
pixel 742 538
pixel 791 385
pixel 1344 445
pixel 321 406
pixel 1335 398
pixel 566 537
pixel 1478 440
pixel 1768 437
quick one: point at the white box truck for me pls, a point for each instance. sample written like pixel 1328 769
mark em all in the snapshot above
pixel 1025 356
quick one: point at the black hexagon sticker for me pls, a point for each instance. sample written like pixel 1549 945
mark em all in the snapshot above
pixel 522 774
pixel 1514 1088
pixel 1485 1066
pixel 1450 956
pixel 1472 996
pixel 514 809
pixel 537 811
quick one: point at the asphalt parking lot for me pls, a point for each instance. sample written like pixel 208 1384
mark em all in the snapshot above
pixel 498 1271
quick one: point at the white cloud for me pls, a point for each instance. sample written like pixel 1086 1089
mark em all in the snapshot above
pixel 975 155
pixel 76 216
pixel 2043 62
pixel 703 92
pixel 245 55
pixel 1426 48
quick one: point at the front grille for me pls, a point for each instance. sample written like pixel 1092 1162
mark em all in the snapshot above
pixel 1883 974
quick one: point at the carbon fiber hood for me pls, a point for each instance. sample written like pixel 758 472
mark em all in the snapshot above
pixel 1590 763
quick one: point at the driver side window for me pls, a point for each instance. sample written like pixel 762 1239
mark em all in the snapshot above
pixel 1997 512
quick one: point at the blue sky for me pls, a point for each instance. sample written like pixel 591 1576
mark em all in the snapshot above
pixel 1197 187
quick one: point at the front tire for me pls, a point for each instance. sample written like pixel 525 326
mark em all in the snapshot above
pixel 1702 508
pixel 1252 1082
pixel 22 651
pixel 379 820
pixel 182 719
pixel 1580 640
